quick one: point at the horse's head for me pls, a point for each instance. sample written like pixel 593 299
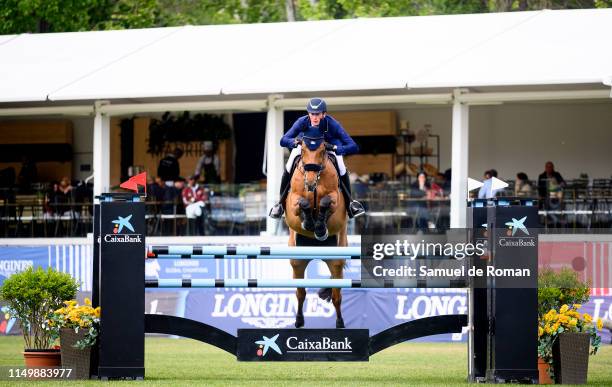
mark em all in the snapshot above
pixel 313 161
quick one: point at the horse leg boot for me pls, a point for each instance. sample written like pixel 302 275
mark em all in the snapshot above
pixel 300 293
pixel 337 301
pixel 276 212
pixel 320 229
pixel 353 207
pixel 308 222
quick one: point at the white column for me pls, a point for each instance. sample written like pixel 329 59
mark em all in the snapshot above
pixel 101 152
pixel 274 159
pixel 459 163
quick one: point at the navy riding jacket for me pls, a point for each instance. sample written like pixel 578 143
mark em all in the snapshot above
pixel 331 129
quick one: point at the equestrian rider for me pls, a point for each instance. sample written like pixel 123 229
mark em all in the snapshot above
pixel 334 134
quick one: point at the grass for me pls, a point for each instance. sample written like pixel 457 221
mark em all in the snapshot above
pixel 187 362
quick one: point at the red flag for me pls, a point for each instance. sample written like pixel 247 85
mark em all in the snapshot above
pixel 135 181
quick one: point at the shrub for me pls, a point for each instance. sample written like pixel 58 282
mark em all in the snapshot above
pixel 31 296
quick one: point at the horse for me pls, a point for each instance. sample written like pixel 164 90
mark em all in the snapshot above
pixel 315 209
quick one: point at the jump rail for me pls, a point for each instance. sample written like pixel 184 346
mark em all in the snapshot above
pixel 312 251
pixel 296 283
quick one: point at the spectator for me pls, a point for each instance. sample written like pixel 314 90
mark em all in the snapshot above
pixel 208 165
pixel 550 183
pixel 523 187
pixel 27 175
pixel 59 200
pixel 194 199
pixel 169 169
pixel 420 189
pixel 487 191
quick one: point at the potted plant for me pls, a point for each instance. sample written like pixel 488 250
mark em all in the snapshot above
pixel 560 295
pixel 31 295
pixel 78 328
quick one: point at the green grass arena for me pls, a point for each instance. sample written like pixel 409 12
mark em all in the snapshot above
pixel 181 362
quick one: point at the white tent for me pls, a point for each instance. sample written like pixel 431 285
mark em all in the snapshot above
pixel 460 60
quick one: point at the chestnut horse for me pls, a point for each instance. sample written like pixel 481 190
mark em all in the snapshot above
pixel 315 208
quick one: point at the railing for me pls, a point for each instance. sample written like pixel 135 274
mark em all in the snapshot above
pixel 241 210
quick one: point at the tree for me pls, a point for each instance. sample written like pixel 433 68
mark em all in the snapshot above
pixel 19 16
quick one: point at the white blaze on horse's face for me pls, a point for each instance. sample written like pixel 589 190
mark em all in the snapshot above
pixel 315 118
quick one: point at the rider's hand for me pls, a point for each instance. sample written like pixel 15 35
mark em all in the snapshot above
pixel 330 147
pixel 296 142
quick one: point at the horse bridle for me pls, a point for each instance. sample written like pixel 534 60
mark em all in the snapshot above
pixel 311 167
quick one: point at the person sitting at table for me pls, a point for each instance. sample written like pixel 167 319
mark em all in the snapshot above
pixel 195 198
pixel 420 190
pixel 522 187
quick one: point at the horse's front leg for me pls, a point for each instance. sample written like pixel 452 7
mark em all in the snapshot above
pixel 336 267
pixel 299 267
pixel 308 223
pixel 325 210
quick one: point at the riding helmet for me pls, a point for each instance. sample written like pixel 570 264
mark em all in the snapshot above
pixel 316 105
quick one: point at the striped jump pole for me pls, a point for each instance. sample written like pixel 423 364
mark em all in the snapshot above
pixel 320 252
pixel 298 283
pixel 251 283
pixel 244 256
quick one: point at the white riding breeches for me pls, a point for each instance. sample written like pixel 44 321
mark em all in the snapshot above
pixel 298 151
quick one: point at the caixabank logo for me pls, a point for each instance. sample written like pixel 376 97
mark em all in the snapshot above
pixel 302 344
pixel 120 234
pixel 517 234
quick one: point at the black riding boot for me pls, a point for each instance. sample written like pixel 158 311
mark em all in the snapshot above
pixel 277 211
pixel 353 207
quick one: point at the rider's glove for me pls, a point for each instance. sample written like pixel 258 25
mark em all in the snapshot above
pixel 330 147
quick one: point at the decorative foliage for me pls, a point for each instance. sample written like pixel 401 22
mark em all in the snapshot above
pixel 185 129
pixel 566 319
pixel 31 296
pixel 77 317
pixel 560 295
pixel 558 288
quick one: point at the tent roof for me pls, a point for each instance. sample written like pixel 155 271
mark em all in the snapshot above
pixel 554 48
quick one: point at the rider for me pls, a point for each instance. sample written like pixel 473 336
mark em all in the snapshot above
pixel 334 134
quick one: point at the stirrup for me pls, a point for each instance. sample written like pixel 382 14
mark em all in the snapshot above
pixel 277 211
pixel 355 209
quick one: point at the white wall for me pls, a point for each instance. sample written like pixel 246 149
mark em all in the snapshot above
pixel 513 138
pixel 82 146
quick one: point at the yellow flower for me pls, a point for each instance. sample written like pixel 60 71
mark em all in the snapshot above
pixel 573 322
pixel 540 331
pixel 564 308
pixel 577 306
pixel 587 318
pixel 97 312
pixel 573 313
pixel 563 319
pixel 555 327
pixel 547 329
pixel 599 324
pixel 87 301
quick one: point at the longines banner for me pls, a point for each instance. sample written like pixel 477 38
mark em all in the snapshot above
pixel 303 344
pixel 233 309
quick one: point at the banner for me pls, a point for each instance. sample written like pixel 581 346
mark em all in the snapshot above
pixel 233 309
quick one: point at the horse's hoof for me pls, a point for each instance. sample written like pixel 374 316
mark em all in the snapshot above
pixel 325 294
pixel 323 237
pixel 339 323
pixel 307 226
pixel 299 321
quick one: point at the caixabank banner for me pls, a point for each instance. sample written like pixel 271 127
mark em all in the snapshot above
pixel 303 344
